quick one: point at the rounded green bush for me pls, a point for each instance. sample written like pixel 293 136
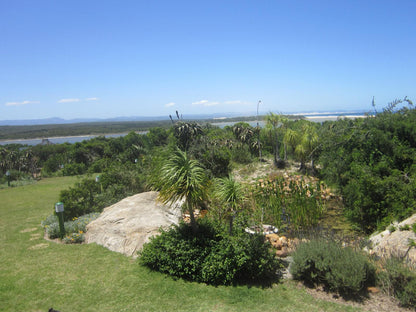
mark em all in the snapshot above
pixel 328 263
pixel 210 255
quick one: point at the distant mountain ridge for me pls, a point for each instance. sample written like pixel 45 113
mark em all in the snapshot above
pixel 58 120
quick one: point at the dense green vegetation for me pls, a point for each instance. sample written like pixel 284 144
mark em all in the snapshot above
pixel 36 274
pixel 372 162
pixel 369 161
pixel 211 256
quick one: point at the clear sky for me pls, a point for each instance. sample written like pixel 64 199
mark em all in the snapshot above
pixel 83 59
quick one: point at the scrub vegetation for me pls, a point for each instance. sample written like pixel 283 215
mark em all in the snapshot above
pixel 367 166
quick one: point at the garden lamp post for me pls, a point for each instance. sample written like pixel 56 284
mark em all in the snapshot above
pixel 8 177
pixel 59 209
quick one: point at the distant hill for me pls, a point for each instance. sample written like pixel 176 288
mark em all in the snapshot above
pixel 60 121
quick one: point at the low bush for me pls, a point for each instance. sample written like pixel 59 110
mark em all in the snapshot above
pixel 87 196
pixel 74 169
pixel 399 280
pixel 73 229
pixel 339 269
pixel 74 238
pixel 210 255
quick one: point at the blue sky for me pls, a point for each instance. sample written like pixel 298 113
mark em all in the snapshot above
pixel 83 59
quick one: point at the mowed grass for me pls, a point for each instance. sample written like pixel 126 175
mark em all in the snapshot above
pixel 36 274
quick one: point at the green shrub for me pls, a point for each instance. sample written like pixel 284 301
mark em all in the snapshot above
pixel 339 269
pixel 210 255
pixel 74 169
pixel 53 230
pixel 414 227
pixel 80 199
pixel 73 229
pixel 391 228
pixel 74 238
pixel 405 227
pixel 53 218
pixel 399 280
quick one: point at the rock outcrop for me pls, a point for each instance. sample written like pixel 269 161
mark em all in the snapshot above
pixel 125 226
pixel 395 241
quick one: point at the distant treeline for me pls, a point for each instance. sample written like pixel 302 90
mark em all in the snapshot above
pixel 88 128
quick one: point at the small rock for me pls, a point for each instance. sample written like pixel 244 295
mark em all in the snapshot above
pixel 373 290
pixel 283 240
pixel 282 253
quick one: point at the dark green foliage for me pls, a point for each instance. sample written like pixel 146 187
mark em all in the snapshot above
pixel 74 169
pixel 398 280
pixel 210 255
pixel 185 133
pixel 115 183
pixel 372 161
pixel 214 158
pixel 326 262
pixel 242 155
pixel 157 136
pixel 80 199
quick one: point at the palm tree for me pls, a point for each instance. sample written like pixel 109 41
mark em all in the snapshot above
pixel 231 193
pixel 185 132
pixel 311 140
pixel 307 145
pixel 243 132
pixel 182 178
pixel 291 138
pixel 273 122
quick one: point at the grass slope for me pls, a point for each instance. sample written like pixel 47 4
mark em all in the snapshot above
pixel 36 274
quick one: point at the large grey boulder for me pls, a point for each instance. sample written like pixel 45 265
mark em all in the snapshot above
pixel 125 226
pixel 394 241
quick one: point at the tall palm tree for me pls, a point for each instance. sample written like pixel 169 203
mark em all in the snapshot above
pixel 291 138
pixel 306 147
pixel 231 193
pixel 274 123
pixel 182 178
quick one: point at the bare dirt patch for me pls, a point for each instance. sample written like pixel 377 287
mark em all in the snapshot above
pixel 39 246
pixel 28 230
pixel 35 236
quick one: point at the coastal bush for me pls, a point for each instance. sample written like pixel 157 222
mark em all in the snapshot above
pixel 371 161
pixel 74 238
pixel 74 169
pixel 339 269
pixel 399 280
pixel 87 196
pixel 210 255
pixel 74 229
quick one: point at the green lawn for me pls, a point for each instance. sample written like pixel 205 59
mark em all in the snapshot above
pixel 36 274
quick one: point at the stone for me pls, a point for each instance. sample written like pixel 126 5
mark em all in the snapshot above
pixel 125 226
pixel 283 240
pixel 386 243
pixel 274 240
pixel 282 253
pixel 373 290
